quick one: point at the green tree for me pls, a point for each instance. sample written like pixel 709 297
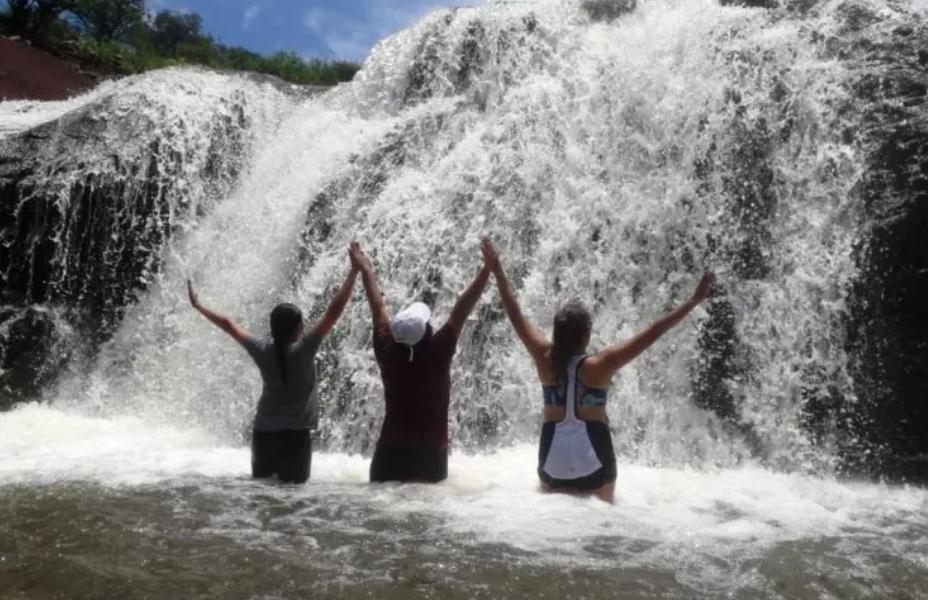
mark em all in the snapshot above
pixel 170 29
pixel 109 19
pixel 117 39
pixel 33 19
pixel 242 59
pixel 200 51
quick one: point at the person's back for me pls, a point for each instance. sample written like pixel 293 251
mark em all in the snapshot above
pixel 415 366
pixel 281 442
pixel 289 403
pixel 417 392
pixel 576 454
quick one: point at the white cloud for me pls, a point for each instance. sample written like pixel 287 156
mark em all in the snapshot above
pixel 251 13
pixel 353 46
pixel 314 18
pixel 346 40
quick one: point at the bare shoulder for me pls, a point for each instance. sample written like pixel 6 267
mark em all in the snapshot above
pixel 596 370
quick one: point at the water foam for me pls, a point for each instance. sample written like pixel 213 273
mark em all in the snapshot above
pixel 488 498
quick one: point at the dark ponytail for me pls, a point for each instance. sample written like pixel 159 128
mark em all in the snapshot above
pixel 286 320
pixel 572 325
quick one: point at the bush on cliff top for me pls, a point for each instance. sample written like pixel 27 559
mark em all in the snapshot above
pixel 121 37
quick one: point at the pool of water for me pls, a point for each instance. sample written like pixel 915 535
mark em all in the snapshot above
pixel 94 507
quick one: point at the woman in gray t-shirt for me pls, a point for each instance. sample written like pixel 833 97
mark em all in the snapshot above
pixel 287 411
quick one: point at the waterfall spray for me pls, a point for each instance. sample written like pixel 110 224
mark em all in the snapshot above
pixel 614 152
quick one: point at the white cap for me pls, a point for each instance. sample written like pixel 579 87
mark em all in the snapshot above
pixel 410 324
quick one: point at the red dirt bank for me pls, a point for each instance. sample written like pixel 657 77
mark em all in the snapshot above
pixel 27 73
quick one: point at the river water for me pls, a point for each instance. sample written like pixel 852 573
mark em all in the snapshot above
pixel 95 508
pixel 612 160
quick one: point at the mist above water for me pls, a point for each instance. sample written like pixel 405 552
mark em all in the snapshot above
pixel 611 161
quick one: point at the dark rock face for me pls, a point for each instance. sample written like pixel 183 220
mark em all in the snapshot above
pixel 88 203
pixel 92 238
pixel 437 72
pixel 718 342
pixel 888 328
pixel 608 10
pixel 751 3
pixel 33 347
pixel 878 429
pixel 738 168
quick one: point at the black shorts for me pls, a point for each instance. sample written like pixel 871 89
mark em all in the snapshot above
pixel 287 454
pixel 601 439
pixel 429 465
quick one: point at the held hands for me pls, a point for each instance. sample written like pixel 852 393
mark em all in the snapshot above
pixel 704 288
pixel 359 261
pixel 490 256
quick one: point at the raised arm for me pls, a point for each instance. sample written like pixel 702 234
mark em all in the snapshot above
pixel 468 300
pixel 337 305
pixel 235 330
pixel 602 366
pixel 374 298
pixel 534 340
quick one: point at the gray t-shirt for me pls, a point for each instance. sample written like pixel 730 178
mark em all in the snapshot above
pixel 290 404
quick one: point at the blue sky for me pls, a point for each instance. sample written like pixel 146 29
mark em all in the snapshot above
pixel 345 29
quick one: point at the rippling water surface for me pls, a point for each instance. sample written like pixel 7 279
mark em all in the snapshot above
pixel 93 508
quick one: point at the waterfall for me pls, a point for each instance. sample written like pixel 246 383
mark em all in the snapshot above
pixel 613 155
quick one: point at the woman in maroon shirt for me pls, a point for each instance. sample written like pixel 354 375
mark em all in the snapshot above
pixel 415 365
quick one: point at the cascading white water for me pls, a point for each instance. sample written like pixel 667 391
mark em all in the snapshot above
pixel 576 145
